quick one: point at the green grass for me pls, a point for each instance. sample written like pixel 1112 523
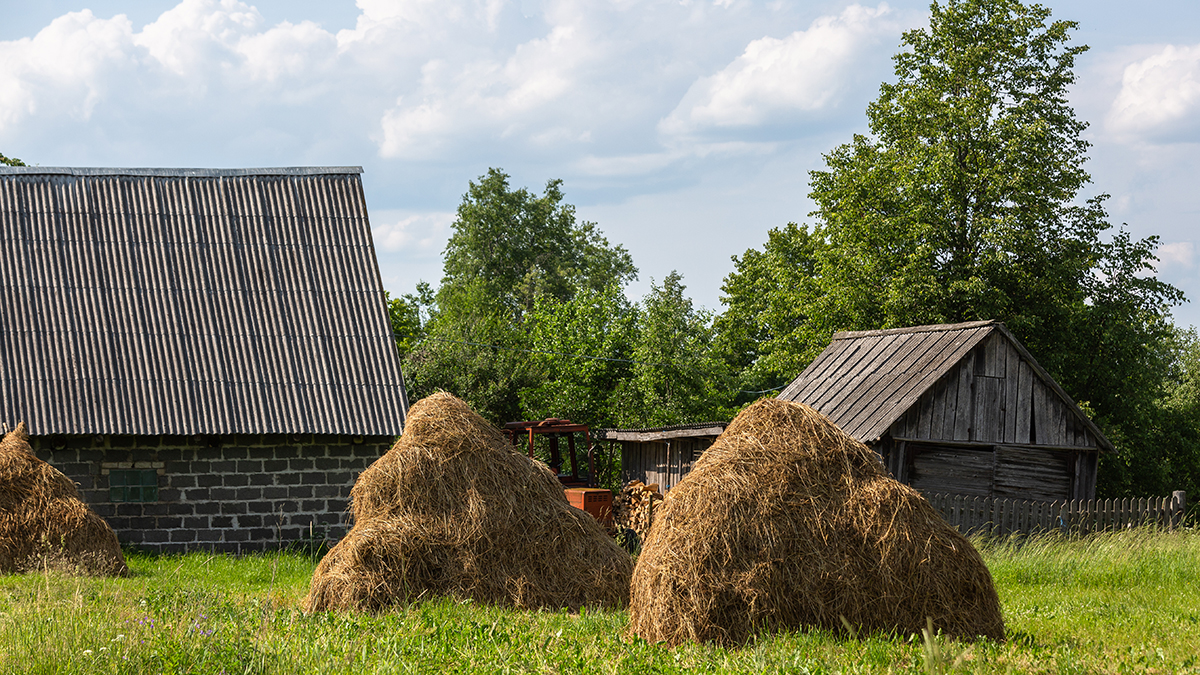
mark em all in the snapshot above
pixel 1117 603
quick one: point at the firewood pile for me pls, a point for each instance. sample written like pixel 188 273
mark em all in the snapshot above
pixel 634 506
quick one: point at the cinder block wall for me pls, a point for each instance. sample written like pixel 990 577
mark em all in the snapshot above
pixel 233 494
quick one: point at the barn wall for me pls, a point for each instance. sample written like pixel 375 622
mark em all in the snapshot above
pixel 235 494
pixel 1013 472
pixel 993 396
pixel 665 462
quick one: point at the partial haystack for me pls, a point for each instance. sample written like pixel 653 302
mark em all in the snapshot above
pixel 43 522
pixel 788 523
pixel 453 510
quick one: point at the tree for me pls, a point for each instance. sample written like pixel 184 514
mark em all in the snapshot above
pixel 508 249
pixel 521 246
pixel 677 378
pixel 766 334
pixel 582 351
pixel 964 203
pixel 11 161
pixel 474 350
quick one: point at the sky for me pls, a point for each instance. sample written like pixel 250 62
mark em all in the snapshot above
pixel 685 128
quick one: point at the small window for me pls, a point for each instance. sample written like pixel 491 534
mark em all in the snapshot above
pixel 136 485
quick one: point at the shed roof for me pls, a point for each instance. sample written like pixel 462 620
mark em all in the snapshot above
pixel 698 430
pixel 866 380
pixel 193 301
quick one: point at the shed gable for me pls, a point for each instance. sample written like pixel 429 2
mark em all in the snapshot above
pixel 994 395
pixel 968 382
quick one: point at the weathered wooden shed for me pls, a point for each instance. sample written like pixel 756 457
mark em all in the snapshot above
pixel 205 352
pixel 662 455
pixel 956 408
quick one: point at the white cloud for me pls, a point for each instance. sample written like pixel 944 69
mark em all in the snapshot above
pixel 63 69
pixel 806 72
pixel 1177 254
pixel 522 94
pixel 419 234
pixel 1159 99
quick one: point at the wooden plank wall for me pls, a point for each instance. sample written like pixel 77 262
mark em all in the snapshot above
pixel 1005 471
pixel 993 396
pixel 664 462
pixel 1003 517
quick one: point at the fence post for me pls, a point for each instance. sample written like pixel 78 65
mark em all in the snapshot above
pixel 1178 505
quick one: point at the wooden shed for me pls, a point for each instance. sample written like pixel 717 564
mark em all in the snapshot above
pixel 956 408
pixel 662 455
pixel 206 352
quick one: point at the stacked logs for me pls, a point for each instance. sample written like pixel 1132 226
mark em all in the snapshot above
pixel 634 506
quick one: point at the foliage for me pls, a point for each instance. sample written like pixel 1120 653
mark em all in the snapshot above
pixel 583 351
pixel 963 204
pixel 474 349
pixel 407 315
pixel 1111 603
pixel 1169 427
pixel 766 333
pixel 11 161
pixel 678 377
pixel 531 321
pixel 521 246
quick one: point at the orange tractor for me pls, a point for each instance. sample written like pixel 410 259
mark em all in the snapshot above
pixel 580 489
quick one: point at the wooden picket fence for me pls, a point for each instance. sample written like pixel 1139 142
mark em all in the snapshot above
pixel 992 516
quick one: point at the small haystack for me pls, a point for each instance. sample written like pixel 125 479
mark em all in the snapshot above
pixel 787 523
pixel 43 522
pixel 452 509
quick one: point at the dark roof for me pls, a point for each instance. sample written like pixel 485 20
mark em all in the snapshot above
pixel 866 380
pixel 699 430
pixel 193 301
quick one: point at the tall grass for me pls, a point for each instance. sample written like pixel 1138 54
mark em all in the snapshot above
pixel 1128 602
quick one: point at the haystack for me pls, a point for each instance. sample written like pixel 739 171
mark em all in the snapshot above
pixel 787 523
pixel 43 522
pixel 453 510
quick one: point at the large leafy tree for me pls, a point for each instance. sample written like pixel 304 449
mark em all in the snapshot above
pixel 964 202
pixel 10 161
pixel 520 246
pixel 582 354
pixel 509 248
pixel 677 377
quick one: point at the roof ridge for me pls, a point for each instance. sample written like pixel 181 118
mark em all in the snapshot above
pixel 178 172
pixel 931 328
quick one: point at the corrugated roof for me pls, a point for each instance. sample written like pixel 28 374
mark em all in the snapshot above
pixel 186 301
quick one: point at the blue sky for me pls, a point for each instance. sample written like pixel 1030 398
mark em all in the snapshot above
pixel 685 129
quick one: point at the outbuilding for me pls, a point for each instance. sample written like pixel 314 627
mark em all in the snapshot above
pixel 956 408
pixel 206 352
pixel 662 455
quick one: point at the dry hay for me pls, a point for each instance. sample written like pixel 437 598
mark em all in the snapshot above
pixel 453 510
pixel 43 522
pixel 788 523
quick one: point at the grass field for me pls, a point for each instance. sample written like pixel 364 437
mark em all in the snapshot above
pixel 1121 603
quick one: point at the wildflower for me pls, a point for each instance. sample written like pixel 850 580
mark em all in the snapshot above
pixel 119 638
pixel 87 652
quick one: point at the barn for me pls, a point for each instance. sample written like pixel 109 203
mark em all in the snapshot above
pixel 662 455
pixel 956 408
pixel 205 352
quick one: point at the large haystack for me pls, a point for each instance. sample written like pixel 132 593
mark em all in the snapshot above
pixel 43 522
pixel 452 509
pixel 787 523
